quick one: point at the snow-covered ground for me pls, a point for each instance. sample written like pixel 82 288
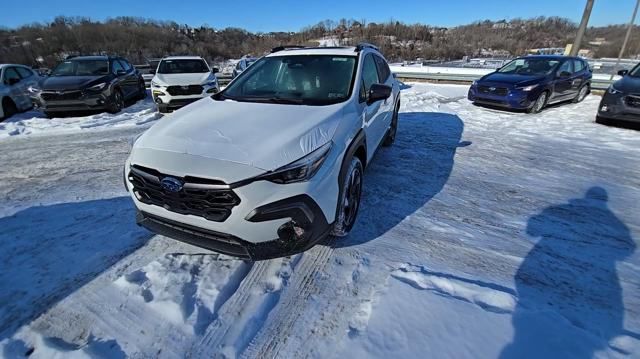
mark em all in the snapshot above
pixel 482 234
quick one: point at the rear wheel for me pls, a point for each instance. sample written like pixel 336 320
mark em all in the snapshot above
pixel 9 108
pixel 349 201
pixel 390 138
pixel 540 103
pixel 582 93
pixel 117 102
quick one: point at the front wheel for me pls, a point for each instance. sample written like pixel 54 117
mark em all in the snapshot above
pixel 349 201
pixel 584 91
pixel 117 102
pixel 541 101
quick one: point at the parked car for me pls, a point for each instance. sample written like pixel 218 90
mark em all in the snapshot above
pixel 89 83
pixel 15 81
pixel 242 65
pixel 531 83
pixel 621 101
pixel 181 80
pixel 148 70
pixel 274 162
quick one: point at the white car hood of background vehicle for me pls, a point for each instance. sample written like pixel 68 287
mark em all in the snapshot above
pixel 184 79
pixel 264 136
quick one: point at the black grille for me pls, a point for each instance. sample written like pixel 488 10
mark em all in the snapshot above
pixel 498 91
pixel 61 96
pixel 199 196
pixel 184 90
pixel 632 101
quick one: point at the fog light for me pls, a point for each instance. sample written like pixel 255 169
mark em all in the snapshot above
pixel 291 232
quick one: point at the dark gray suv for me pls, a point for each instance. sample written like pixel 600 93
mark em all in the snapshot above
pixel 621 102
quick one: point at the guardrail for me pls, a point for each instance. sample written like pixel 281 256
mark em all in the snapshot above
pixel 467 75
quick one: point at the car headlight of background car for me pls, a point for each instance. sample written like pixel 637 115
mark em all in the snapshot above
pixel 527 88
pixel 300 170
pixel 34 90
pixel 612 90
pixel 97 87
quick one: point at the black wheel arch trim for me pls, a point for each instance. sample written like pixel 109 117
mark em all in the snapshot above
pixel 359 140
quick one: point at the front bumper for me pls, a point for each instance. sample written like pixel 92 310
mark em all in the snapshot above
pixel 615 107
pixel 86 102
pixel 514 99
pixel 167 102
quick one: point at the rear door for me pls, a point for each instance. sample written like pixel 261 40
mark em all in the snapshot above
pixel 385 78
pixel 130 78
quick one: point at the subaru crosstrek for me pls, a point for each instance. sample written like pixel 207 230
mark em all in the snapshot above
pixel 621 101
pixel 88 83
pixel 181 80
pixel 531 83
pixel 273 163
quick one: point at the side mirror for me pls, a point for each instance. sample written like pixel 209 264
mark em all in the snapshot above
pixel 121 72
pixel 215 70
pixel 378 92
pixel 564 74
pixel 623 72
pixel 13 81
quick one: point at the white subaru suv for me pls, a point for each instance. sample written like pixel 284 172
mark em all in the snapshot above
pixel 180 80
pixel 274 163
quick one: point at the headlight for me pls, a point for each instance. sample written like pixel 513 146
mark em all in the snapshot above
pixel 612 90
pixel 155 84
pixel 300 170
pixel 34 90
pixel 528 88
pixel 98 87
pixel 474 83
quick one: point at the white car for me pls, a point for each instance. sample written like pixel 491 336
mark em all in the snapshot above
pixel 180 80
pixel 274 163
pixel 15 82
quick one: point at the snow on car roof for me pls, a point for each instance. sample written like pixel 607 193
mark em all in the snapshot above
pixel 344 51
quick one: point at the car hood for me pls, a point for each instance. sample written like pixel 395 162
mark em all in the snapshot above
pixel 70 82
pixel 263 136
pixel 628 84
pixel 183 79
pixel 496 77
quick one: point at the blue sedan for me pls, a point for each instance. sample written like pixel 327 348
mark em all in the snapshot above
pixel 531 83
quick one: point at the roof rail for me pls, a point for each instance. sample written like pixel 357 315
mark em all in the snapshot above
pixel 364 45
pixel 286 47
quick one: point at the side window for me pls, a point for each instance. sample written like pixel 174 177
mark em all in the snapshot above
pixel 125 65
pixel 10 73
pixel 578 65
pixel 383 69
pixel 566 66
pixel 116 66
pixel 24 72
pixel 369 74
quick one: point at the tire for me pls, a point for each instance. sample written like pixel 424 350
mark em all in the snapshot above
pixel 349 199
pixel 540 103
pixel 142 91
pixel 390 137
pixel 117 102
pixel 582 93
pixel 9 108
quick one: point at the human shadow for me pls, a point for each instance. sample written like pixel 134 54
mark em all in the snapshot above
pixel 403 178
pixel 47 252
pixel 570 299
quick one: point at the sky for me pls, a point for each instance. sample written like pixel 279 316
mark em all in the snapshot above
pixel 292 15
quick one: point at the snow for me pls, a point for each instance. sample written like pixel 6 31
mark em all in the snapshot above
pixel 482 234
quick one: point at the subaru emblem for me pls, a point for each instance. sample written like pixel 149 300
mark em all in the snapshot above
pixel 59 92
pixel 492 88
pixel 171 184
pixel 185 87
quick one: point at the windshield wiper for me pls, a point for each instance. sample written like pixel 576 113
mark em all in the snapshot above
pixel 273 99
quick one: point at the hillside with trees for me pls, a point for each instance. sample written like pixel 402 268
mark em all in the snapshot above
pixel 139 39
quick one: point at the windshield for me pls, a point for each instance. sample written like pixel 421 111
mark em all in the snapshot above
pixel 182 66
pixel 635 72
pixel 529 66
pixel 301 79
pixel 81 68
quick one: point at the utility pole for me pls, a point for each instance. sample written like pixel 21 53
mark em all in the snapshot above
pixel 583 27
pixel 626 39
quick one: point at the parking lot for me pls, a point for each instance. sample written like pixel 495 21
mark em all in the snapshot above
pixel 527 223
